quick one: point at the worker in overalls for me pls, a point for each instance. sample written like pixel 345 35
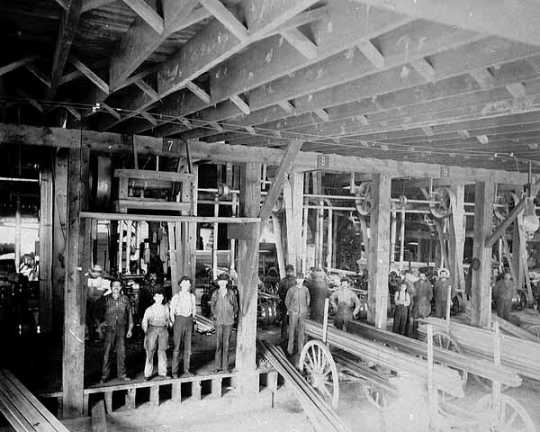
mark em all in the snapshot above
pixel 346 304
pixel 402 301
pixel 440 292
pixel 297 302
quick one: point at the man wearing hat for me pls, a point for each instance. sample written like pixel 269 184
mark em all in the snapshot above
pixel 287 282
pixel 297 302
pixel 224 306
pixel 440 293
pixel 183 309
pixel 346 304
pixel 98 287
pixel 155 322
pixel 118 324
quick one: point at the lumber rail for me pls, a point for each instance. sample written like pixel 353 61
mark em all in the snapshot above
pixel 22 409
pixel 517 354
pixel 445 379
pixel 465 362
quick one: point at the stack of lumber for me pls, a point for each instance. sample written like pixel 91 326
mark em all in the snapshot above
pixel 204 325
pixel 321 415
pixel 522 356
pixel 509 328
pixel 22 409
pixel 444 378
pixel 461 361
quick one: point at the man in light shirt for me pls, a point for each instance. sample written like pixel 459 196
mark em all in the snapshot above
pixel 182 312
pixel 155 321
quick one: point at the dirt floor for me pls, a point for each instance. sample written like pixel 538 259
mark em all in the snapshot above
pixel 37 359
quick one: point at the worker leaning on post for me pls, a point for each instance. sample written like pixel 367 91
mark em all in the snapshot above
pixel 346 304
pixel 297 302
pixel 504 292
pixel 224 306
pixel 118 325
pixel 155 325
pixel 183 308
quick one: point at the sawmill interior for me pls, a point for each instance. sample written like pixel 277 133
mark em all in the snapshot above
pixel 307 215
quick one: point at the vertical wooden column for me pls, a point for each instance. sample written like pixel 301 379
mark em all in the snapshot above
pixel 483 221
pixel 59 237
pixel 77 251
pixel 189 229
pixel 248 265
pixel 516 251
pixel 379 250
pixel 457 238
pixel 45 248
pixel 293 195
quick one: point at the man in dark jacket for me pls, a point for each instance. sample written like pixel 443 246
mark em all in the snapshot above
pixel 118 324
pixel 440 292
pixel 224 306
pixel 297 302
pixel 503 292
pixel 287 282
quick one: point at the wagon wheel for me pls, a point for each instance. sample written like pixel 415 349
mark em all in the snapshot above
pixel 320 370
pixel 511 417
pixel 364 199
pixel 447 342
pixel 375 396
pixel 441 202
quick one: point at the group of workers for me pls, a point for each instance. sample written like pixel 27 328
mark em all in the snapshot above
pixel 116 325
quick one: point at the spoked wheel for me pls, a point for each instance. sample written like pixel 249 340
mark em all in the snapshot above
pixel 319 368
pixel 447 342
pixel 375 396
pixel 510 417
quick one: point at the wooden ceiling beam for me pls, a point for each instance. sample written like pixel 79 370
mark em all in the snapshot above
pixel 141 40
pixel 147 13
pixel 66 34
pixel 509 20
pixel 90 74
pixel 145 87
pixel 30 100
pixel 517 89
pixel 287 106
pixel 389 87
pixel 89 5
pixel 264 61
pixel 197 91
pixel 301 43
pixel 342 69
pixel 226 17
pixel 241 104
pixel 322 114
pixel 149 118
pixel 16 64
pixel 372 53
pixel 111 110
pixel 305 161
pixel 75 113
pixel 33 69
pixel 424 68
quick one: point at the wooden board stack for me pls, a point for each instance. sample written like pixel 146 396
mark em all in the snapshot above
pixel 517 354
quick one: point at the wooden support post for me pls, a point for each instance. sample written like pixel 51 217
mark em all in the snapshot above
pixel 59 236
pixel 402 239
pixel 293 194
pixel 276 224
pixel 99 419
pixel 107 396
pixel 45 248
pixel 196 390
pixel 329 228
pixel 177 392
pixel 393 235
pixel 483 221
pixel 75 292
pixel 130 398
pixel 248 264
pixel 189 229
pixel 516 256
pixel 457 239
pixel 379 244
pixel 216 388
pixel 154 395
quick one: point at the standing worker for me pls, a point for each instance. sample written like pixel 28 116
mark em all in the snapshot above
pixel 284 284
pixel 297 302
pixel 503 292
pixel 117 310
pixel 402 301
pixel 224 307
pixel 155 322
pixel 440 292
pixel 346 304
pixel 422 297
pixel 183 308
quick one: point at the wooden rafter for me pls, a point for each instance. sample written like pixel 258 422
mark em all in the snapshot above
pixel 301 43
pixel 147 13
pixel 16 64
pixel 501 229
pixel 66 33
pixel 90 74
pixel 241 104
pixel 371 52
pixel 95 4
pixel 198 91
pixel 33 69
pixel 226 17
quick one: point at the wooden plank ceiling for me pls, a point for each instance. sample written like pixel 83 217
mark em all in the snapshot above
pixel 400 79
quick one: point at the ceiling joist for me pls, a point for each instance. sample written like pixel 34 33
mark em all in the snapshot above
pixel 147 13
pixel 227 18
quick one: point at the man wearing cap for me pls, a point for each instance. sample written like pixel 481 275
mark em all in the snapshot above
pixel 287 282
pixel 346 304
pixel 224 306
pixel 423 293
pixel 440 293
pixel 503 292
pixel 154 323
pixel 297 302
pixel 183 309
pixel 118 325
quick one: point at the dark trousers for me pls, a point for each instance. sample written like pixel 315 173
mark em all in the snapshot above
pixel 342 317
pixel 114 341
pixel 223 336
pixel 504 306
pixel 182 330
pixel 401 315
pixel 440 309
pixel 156 338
